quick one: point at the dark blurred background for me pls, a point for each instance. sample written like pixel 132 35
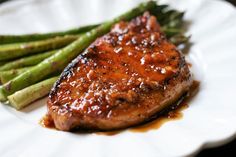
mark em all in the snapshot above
pixel 1 1
pixel 228 150
pixel 232 1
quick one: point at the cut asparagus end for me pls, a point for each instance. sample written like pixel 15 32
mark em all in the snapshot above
pixel 24 97
pixel 2 95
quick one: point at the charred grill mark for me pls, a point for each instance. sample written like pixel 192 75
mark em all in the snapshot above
pixel 66 72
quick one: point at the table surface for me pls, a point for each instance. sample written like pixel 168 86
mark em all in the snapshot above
pixel 227 150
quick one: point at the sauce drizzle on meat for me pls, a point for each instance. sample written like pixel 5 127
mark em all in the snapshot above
pixel 174 113
pixel 121 80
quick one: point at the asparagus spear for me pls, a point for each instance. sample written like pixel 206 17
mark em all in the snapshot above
pixel 5 39
pixel 6 76
pixel 179 39
pixel 160 11
pixel 164 17
pixel 2 63
pixel 170 32
pixel 171 23
pixel 26 61
pixel 29 94
pixel 65 55
pixel 174 18
pixel 11 51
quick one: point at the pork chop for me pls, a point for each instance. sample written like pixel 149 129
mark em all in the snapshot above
pixel 121 80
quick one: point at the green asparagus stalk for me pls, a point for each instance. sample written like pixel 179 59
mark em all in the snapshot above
pixel 27 61
pixel 2 63
pixel 65 55
pixel 6 39
pixel 12 51
pixel 6 76
pixel 179 39
pixel 35 59
pixel 171 22
pixel 170 32
pixel 24 97
pixel 174 19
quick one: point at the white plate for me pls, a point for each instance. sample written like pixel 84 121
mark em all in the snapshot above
pixel 209 121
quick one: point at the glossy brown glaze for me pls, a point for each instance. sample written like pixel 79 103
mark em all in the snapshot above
pixel 172 113
pixel 121 80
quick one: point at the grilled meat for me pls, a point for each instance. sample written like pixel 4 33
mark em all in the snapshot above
pixel 122 79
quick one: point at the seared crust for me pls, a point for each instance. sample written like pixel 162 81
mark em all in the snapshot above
pixel 121 80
